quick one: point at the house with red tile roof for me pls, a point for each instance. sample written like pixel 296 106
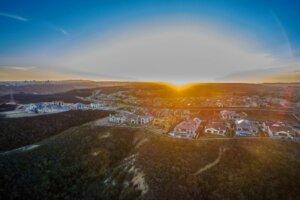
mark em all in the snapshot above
pixel 278 129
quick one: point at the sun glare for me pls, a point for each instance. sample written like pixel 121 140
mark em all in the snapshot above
pixel 178 87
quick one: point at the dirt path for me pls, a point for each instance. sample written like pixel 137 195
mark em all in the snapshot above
pixel 141 142
pixel 101 122
pixel 212 164
pixel 20 149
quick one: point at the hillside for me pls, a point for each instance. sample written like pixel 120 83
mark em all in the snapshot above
pixel 70 96
pixel 17 132
pixel 93 162
pixel 51 87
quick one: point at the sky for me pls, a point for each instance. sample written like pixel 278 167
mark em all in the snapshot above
pixel 176 41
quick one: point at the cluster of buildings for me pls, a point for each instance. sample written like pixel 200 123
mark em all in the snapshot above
pixel 181 123
pixel 230 123
pixel 60 106
pixel 191 128
pixel 130 119
pixel 23 83
pixel 224 101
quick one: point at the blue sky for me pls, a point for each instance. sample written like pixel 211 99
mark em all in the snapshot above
pixel 35 33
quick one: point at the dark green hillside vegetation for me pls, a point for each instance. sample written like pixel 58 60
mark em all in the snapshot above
pixel 17 132
pixel 7 107
pixel 247 169
pixel 92 162
pixel 72 165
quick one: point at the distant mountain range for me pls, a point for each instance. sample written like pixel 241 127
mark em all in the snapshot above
pixel 42 87
pixel 279 74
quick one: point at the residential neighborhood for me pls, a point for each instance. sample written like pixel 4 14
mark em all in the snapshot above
pixel 202 117
pixel 60 106
pixel 130 119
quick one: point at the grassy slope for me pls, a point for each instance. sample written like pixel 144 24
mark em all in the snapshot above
pixel 17 132
pixel 90 162
pixel 249 169
pixel 64 165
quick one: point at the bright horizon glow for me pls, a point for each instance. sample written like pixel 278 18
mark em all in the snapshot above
pixel 177 54
pixel 177 42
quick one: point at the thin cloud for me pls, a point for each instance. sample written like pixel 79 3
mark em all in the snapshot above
pixel 283 32
pixel 55 27
pixel 23 19
pixel 19 68
pixel 15 17
pixel 63 31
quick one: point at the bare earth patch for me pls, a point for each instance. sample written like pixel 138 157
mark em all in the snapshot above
pixel 138 179
pixel 212 164
pixel 21 149
pixel 101 122
pixel 140 143
pixel 105 135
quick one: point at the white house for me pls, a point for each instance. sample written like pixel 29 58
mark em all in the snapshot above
pixel 30 107
pixel 95 105
pixel 216 128
pixel 139 119
pixel 229 115
pixel 282 134
pixel 118 119
pixel 245 128
pixel 79 106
